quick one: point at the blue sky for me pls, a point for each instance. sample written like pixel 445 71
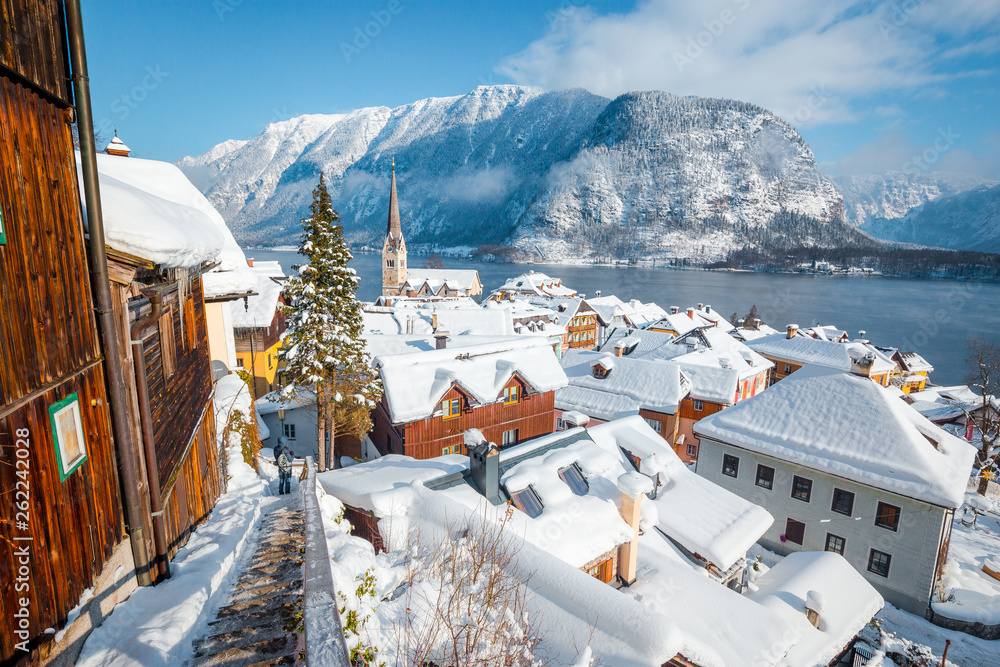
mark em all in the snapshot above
pixel 872 86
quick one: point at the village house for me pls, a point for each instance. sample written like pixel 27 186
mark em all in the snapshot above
pixel 399 280
pixel 581 321
pixel 608 507
pixel 504 388
pixel 258 323
pixel 678 323
pixel 533 283
pixel 844 465
pixel 531 320
pixel 605 387
pixel 721 369
pixel 613 313
pixel 793 350
pixel 914 371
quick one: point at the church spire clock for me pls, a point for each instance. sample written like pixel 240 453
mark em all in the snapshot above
pixel 394 249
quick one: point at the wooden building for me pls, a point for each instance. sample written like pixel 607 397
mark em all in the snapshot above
pixel 61 521
pixel 505 389
pixel 258 323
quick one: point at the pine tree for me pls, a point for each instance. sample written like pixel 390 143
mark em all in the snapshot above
pixel 322 346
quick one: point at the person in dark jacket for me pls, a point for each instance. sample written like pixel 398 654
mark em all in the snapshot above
pixel 285 459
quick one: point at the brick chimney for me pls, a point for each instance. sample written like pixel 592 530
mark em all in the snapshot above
pixel 633 486
pixel 440 339
pixel 690 313
pixel 674 310
pixel 792 330
pixel 249 261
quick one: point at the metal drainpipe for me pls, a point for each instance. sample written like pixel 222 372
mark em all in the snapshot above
pixel 125 448
pixel 146 421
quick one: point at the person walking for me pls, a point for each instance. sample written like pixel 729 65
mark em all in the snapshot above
pixel 285 459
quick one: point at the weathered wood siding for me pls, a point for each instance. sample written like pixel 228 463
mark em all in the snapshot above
pixel 197 486
pixel 49 348
pixel 532 416
pixel 32 45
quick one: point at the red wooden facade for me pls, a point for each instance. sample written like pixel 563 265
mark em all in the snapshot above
pixel 531 416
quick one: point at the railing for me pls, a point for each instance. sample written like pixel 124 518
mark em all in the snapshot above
pixel 325 645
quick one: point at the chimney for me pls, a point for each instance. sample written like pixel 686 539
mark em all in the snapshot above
pixel 249 261
pixel 690 312
pixel 708 308
pixel 573 419
pixel 814 607
pixel 756 323
pixel 739 323
pixel 484 464
pixel 409 324
pixel 632 485
pixel 598 294
pixel 620 348
pixel 701 306
pixel 792 330
pixel 861 334
pixel 440 339
pixel 674 310
pixel 434 320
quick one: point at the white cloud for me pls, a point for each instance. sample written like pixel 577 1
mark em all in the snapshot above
pixel 809 62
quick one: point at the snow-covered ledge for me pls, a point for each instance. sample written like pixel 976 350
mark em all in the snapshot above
pixel 325 645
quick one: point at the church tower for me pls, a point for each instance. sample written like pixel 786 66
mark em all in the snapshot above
pixel 394 250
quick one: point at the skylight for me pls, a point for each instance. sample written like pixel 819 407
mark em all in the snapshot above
pixel 574 480
pixel 528 502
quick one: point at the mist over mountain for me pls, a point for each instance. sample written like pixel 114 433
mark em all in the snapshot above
pixel 564 174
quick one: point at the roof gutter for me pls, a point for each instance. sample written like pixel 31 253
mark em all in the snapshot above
pixel 125 448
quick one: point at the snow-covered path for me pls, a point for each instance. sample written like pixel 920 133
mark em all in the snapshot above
pixel 261 623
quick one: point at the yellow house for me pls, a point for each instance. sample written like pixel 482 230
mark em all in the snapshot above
pixel 913 371
pixel 258 323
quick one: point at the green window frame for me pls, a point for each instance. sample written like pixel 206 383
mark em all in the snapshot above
pixel 66 419
pixel 3 230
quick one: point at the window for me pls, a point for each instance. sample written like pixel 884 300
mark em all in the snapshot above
pixel 269 361
pixel 795 531
pixel 699 406
pixel 67 431
pixel 654 424
pixel 389 263
pixel 878 562
pixel 528 502
pixel 239 362
pixel 510 437
pixel 560 424
pixel 511 395
pixel 451 408
pixel 601 571
pixel 289 431
pixel 692 451
pixel 843 502
pixel 730 465
pixel 802 488
pixel 3 231
pixel 456 449
pixel 574 480
pixel 887 516
pixel 835 543
pixel 788 369
pixel 600 372
pixel 445 451
pixel 168 345
pixel 765 476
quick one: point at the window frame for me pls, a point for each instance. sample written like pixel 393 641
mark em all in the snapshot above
pixel 692 451
pixel 789 522
pixel 871 561
pixel 697 405
pixel 788 369
pixel 66 421
pixel 565 475
pixel 770 482
pixel 449 409
pixel 527 492
pixel 833 502
pixel 512 395
pixel 726 460
pixel 808 494
pixel 288 431
pixel 894 527
pixel 503 437
pixel 843 544
pixel 654 424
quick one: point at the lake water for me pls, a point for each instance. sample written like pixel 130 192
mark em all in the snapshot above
pixel 932 317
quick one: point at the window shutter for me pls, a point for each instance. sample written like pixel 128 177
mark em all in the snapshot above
pixel 168 344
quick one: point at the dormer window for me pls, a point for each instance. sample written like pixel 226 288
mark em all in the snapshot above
pixel 511 395
pixel 574 480
pixel 600 372
pixel 528 502
pixel 451 408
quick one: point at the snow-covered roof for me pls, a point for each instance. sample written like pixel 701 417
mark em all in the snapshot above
pixel 268 267
pixel 414 383
pixel 848 603
pixel 914 363
pixel 536 283
pixel 473 321
pixel 116 145
pixel 850 427
pixel 259 309
pixel 462 280
pixel 632 384
pixel 634 313
pixel 152 211
pixel 752 333
pixel 808 350
pixel 826 332
pixel 678 322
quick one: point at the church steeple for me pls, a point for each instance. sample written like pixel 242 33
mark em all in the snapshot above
pixel 394 250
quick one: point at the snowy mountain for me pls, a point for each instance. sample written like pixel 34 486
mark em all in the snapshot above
pixel 563 174
pixel 892 195
pixel 968 220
